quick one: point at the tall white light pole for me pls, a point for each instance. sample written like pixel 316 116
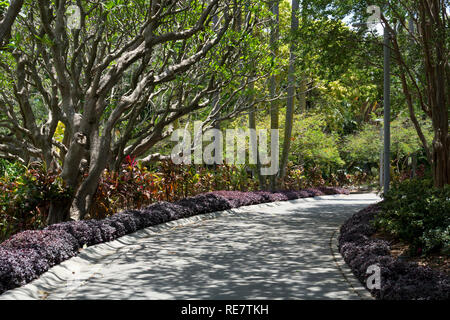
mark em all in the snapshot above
pixel 373 21
pixel 381 153
pixel 387 109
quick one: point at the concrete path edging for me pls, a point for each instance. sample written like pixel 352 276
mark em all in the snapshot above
pixel 345 270
pixel 62 274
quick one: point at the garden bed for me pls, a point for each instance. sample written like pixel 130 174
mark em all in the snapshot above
pixel 28 254
pixel 400 279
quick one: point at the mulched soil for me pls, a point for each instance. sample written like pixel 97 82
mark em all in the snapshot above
pixel 400 251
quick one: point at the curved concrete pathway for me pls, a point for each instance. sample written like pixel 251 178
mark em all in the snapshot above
pixel 280 250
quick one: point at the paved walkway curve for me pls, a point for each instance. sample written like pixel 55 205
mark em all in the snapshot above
pixel 271 251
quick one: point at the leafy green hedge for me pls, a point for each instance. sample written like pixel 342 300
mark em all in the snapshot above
pixel 418 214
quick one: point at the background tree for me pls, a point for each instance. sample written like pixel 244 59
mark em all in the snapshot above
pixel 290 93
pixel 274 109
pixel 420 40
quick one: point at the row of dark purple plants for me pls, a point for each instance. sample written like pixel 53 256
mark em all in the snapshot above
pixel 28 254
pixel 400 280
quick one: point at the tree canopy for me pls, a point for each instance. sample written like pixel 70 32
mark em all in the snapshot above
pixel 86 85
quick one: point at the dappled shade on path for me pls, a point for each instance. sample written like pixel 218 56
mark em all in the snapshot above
pixel 270 251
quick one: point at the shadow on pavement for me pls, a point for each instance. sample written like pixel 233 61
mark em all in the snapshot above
pixel 278 251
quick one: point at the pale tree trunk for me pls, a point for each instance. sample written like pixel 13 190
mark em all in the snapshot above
pixel 254 141
pixel 215 100
pixel 274 110
pixel 291 95
pixel 98 158
pixel 252 126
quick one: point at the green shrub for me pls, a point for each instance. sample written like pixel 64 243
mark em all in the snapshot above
pixel 25 199
pixel 418 214
pixel 312 146
pixel 362 149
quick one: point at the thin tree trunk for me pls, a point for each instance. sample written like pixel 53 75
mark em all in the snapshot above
pixel 274 111
pixel 253 143
pixel 291 95
pixel 254 140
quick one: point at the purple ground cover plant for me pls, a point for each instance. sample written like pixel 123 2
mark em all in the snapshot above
pixel 28 254
pixel 400 280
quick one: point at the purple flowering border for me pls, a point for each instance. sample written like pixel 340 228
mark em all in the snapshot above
pixel 28 254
